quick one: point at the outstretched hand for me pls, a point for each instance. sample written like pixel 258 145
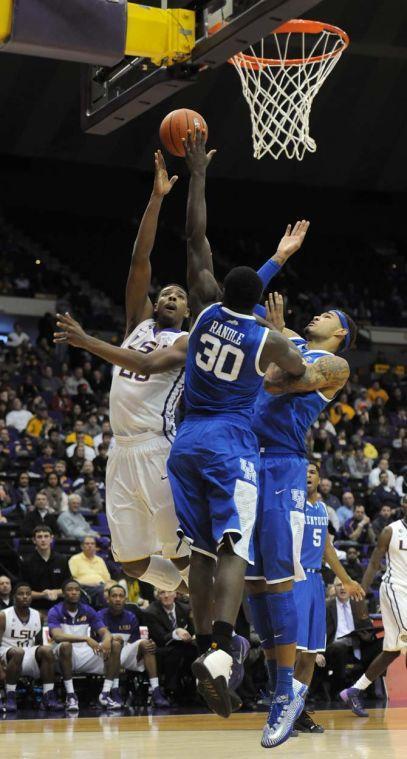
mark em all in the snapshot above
pixel 293 238
pixel 72 331
pixel 275 311
pixel 162 185
pixel 197 159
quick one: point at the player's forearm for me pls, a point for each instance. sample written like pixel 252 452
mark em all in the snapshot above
pixel 147 231
pixel 134 361
pixel 269 270
pixel 59 636
pixel 332 560
pixel 195 227
pixel 370 574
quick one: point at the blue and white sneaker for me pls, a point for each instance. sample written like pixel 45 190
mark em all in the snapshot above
pixel 239 651
pixel 280 722
pixel 299 688
pixel 108 701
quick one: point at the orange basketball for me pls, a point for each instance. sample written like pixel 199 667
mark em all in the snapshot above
pixel 175 126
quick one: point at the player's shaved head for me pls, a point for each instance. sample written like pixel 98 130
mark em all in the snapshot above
pixel 242 289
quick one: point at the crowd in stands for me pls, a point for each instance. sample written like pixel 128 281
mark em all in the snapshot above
pixel 54 444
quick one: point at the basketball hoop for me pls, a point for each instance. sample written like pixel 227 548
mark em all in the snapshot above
pixel 280 90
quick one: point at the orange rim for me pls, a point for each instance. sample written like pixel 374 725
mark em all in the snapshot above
pixel 295 26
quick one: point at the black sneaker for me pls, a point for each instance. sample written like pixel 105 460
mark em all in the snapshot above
pixel 212 670
pixel 305 724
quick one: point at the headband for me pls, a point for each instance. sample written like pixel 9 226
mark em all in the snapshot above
pixel 345 324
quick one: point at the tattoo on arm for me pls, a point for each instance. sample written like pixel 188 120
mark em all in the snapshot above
pixel 328 372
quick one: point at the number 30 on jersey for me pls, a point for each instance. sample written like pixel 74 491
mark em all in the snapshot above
pixel 225 361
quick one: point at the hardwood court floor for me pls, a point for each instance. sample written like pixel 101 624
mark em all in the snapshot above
pixel 382 736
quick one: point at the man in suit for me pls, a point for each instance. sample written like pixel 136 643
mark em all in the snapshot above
pixel 170 627
pixel 5 592
pixel 39 516
pixel 350 635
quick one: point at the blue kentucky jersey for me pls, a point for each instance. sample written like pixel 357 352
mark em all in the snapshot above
pixel 281 422
pixel 222 373
pixel 315 532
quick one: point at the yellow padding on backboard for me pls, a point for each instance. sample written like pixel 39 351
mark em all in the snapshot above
pixel 6 16
pixel 164 36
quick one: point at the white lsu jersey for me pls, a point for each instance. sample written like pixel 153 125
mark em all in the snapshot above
pixel 21 634
pixel 396 556
pixel 146 403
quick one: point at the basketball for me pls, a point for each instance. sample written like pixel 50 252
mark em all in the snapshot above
pixel 175 126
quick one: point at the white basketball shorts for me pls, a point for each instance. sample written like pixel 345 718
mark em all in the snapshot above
pixel 129 657
pixel 393 605
pixel 139 504
pixel 30 666
pixel 84 660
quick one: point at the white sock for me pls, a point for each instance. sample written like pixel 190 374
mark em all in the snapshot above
pixel 46 687
pixel 154 682
pixel 69 687
pixel 116 682
pixel 162 574
pixel 107 686
pixel 11 688
pixel 362 683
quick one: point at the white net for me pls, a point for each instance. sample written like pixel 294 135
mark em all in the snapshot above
pixel 280 93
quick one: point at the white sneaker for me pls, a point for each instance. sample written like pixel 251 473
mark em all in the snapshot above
pixel 281 719
pixel 106 700
pixel 212 671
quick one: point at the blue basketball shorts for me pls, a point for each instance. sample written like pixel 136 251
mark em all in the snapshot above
pixel 279 525
pixel 213 470
pixel 310 600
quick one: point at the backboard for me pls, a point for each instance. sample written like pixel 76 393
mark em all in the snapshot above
pixel 111 97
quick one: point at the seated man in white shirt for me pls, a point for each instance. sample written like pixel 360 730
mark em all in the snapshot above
pixel 19 416
pixel 383 466
pixel 17 337
pixel 350 635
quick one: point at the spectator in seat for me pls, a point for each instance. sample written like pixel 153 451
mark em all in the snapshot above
pixel 71 523
pixel 40 516
pixel 64 481
pixel 5 592
pixel 23 494
pixel 336 466
pixel 383 466
pixel 383 494
pixel 83 398
pixel 350 636
pixel 88 569
pixel 383 519
pixel 341 413
pixel 346 509
pixel 25 449
pixel 62 401
pixel 329 499
pixel 19 416
pixel 46 462
pixel 89 493
pixel 39 423
pixel 362 402
pixel 170 626
pixel 106 430
pixel 45 569
pixel 18 338
pixel 89 452
pixel 57 499
pixel 359 465
pixel 399 455
pixel 78 435
pixel 401 482
pixel 55 440
pixel 137 654
pixel 100 461
pixel 353 565
pixel 75 379
pixel 359 528
pixel 377 391
pixel 92 426
pixel 49 383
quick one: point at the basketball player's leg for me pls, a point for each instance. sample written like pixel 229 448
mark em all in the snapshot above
pixel 135 543
pixel 393 609
pixel 14 662
pixel 64 655
pixel 42 658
